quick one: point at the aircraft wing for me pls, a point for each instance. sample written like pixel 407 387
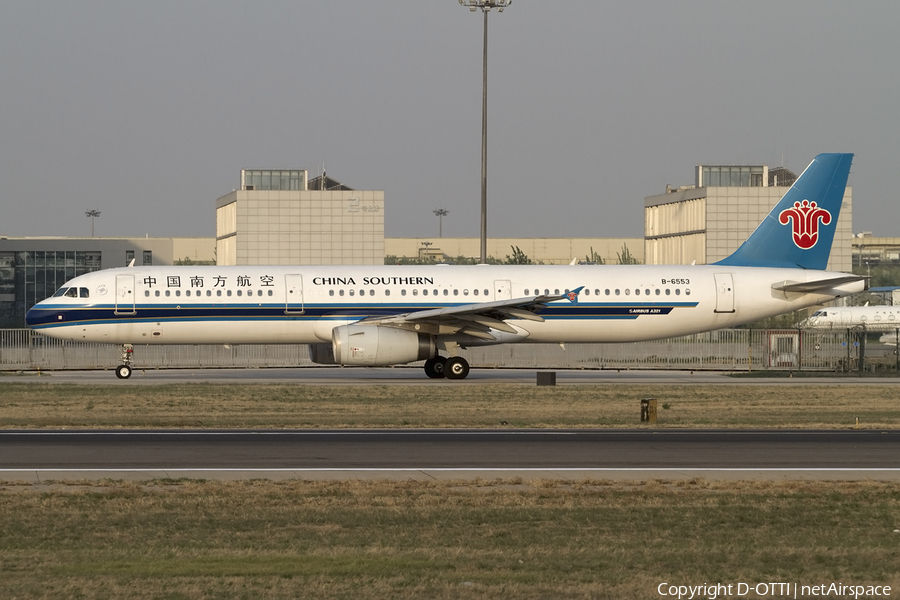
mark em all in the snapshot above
pixel 475 319
pixel 808 287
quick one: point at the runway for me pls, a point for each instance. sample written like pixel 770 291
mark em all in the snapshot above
pixel 450 454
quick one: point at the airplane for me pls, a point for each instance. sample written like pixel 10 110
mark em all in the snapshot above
pixel 389 315
pixel 873 317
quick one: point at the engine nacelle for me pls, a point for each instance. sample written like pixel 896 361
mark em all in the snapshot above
pixel 371 345
pixel 322 354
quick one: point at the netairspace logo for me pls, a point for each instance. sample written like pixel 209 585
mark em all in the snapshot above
pixel 771 590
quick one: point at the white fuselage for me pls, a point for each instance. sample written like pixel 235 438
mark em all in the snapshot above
pixel 301 305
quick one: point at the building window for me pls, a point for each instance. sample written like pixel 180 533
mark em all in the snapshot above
pixel 129 256
pixel 148 257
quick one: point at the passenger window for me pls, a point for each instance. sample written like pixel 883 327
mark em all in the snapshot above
pixel 403 292
pixel 146 293
pixel 387 292
pixel 607 292
pixel 371 292
pixel 208 293
pixel 526 292
pixel 587 292
pixel 556 292
pixel 331 292
pixel 677 291
pixel 168 293
pixel 228 293
pixel 446 292
pixel 415 292
pixel 270 292
pixel 617 291
pixel 352 292
pixel 434 292
pixel 487 293
pixel 218 292
pixel 657 291
pixel 156 293
pixel 456 292
pixel 187 292
pixel 668 292
pixel 475 291
pixel 687 292
pixel 627 292
pixel 340 292
pixel 424 292
pixel 465 292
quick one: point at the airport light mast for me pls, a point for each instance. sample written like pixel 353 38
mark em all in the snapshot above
pixel 92 213
pixel 485 6
pixel 440 213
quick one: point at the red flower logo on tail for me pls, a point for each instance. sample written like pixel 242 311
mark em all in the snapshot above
pixel 804 218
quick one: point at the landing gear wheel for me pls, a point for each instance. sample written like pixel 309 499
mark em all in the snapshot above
pixel 456 368
pixel 123 371
pixel 434 367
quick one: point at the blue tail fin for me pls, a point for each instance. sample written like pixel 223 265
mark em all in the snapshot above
pixel 799 230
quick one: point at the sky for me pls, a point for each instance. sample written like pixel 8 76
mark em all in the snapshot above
pixel 147 111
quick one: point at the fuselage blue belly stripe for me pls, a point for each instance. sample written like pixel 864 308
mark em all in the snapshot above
pixel 63 315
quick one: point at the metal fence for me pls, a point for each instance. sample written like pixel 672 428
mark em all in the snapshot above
pixel 722 350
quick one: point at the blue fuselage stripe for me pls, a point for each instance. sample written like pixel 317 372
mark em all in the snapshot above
pixel 63 315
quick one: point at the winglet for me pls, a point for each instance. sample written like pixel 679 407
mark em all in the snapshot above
pixel 573 295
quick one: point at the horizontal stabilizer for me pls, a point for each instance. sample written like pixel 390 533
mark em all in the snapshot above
pixel 808 287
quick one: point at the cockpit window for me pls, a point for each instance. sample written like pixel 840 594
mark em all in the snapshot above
pixel 60 292
pixel 72 293
pixel 83 293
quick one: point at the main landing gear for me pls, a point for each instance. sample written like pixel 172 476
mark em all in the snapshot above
pixel 455 367
pixel 124 370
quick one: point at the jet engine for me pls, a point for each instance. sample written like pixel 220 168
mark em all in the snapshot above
pixel 371 345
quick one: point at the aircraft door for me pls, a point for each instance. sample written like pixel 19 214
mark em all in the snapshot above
pixel 502 289
pixel 125 295
pixel 293 294
pixel 724 293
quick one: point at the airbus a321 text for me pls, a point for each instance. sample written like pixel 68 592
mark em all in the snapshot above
pixel 388 315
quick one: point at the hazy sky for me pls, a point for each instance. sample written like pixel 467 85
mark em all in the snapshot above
pixel 147 111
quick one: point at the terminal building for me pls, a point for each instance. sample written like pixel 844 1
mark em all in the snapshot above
pixel 707 221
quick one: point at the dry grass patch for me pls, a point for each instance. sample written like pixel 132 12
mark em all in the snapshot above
pixel 500 405
pixel 524 539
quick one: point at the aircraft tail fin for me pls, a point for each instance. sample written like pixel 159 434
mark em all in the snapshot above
pixel 800 229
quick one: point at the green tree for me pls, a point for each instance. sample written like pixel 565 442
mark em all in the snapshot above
pixel 625 257
pixel 518 257
pixel 594 258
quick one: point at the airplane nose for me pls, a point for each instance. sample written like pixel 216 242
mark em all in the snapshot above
pixel 36 315
pixel 31 317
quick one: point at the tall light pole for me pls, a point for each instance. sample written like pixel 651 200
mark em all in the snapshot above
pixel 485 6
pixel 440 213
pixel 92 214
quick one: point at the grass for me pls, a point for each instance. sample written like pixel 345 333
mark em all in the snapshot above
pixel 30 405
pixel 521 539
